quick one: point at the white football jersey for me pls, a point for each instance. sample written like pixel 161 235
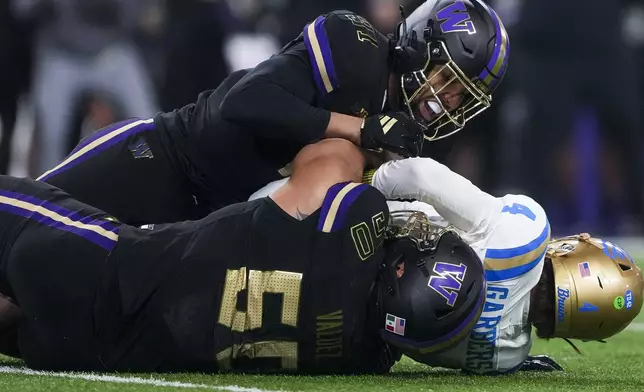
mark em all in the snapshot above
pixel 510 235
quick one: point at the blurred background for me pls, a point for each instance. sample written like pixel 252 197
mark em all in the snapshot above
pixel 565 127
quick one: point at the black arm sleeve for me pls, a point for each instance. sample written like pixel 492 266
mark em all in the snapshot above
pixel 338 64
pixel 276 101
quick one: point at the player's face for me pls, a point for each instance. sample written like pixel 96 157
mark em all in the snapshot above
pixel 442 92
pixel 400 269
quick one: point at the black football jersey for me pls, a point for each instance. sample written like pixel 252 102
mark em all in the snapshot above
pixel 349 61
pixel 251 288
pixel 243 135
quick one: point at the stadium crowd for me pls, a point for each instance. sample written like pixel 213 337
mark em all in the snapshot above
pixel 566 126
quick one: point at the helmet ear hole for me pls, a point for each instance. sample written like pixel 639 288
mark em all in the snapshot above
pixel 469 289
pixel 624 267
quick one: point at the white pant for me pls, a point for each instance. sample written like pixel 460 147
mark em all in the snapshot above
pixel 61 77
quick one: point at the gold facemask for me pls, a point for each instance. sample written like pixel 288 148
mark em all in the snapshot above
pixel 598 287
pixel 477 99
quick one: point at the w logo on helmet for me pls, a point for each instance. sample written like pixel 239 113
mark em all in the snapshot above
pixel 455 18
pixel 448 281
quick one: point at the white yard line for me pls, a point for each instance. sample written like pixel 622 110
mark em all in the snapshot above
pixel 129 380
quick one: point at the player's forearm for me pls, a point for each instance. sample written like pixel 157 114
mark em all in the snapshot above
pixel 271 112
pixel 343 126
pixel 277 100
pixel 454 197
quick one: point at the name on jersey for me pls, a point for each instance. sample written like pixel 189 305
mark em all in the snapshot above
pixel 481 349
pixel 328 339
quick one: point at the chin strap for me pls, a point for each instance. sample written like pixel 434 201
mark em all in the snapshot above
pixel 400 46
pixel 575 347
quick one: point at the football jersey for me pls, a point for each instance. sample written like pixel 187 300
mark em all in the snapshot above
pixel 510 234
pixel 252 289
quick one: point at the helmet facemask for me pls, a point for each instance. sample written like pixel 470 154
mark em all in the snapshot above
pixel 415 85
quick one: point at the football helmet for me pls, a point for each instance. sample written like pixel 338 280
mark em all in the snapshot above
pixel 598 288
pixel 439 297
pixel 448 41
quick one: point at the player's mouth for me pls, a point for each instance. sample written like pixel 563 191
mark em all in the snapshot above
pixel 429 109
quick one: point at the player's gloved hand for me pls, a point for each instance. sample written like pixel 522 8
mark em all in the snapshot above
pixel 542 363
pixel 393 131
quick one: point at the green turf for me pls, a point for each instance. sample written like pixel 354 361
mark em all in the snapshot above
pixel 617 365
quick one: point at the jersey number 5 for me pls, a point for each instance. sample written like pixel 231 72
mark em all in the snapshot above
pixel 259 282
pixel 517 208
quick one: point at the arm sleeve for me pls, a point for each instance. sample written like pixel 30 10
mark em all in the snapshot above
pixel 276 101
pixel 339 55
pixel 455 198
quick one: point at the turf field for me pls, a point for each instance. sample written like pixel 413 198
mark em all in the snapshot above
pixel 617 365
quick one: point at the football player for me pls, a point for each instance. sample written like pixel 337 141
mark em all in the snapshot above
pixel 577 287
pixel 287 283
pixel 340 78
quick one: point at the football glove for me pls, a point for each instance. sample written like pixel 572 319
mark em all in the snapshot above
pixel 542 363
pixel 393 131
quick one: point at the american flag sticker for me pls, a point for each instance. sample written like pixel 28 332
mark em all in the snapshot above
pixel 395 324
pixel 584 269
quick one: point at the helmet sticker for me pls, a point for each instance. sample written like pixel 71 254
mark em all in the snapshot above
pixel 584 269
pixel 618 303
pixel 628 297
pixel 454 18
pixel 448 280
pixel 562 296
pixel 395 324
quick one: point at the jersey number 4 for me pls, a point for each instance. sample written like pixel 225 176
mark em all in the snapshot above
pixel 520 209
pixel 257 283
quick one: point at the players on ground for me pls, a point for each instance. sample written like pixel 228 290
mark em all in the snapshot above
pixel 577 287
pixel 293 283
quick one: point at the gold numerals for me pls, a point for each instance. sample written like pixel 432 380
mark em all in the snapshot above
pixel 367 239
pixel 364 29
pixel 257 283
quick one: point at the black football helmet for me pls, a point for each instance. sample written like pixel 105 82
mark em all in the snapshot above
pixel 456 40
pixel 438 299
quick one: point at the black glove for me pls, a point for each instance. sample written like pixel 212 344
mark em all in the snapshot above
pixel 542 363
pixel 393 131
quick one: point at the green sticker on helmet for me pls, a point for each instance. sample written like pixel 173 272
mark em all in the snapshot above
pixel 618 302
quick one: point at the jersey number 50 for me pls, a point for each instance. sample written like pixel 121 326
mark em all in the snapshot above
pixel 366 239
pixel 259 282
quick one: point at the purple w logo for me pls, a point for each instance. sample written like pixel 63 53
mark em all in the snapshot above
pixel 448 281
pixel 455 18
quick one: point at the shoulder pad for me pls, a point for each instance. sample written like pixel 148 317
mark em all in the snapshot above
pixel 341 45
pixel 340 204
